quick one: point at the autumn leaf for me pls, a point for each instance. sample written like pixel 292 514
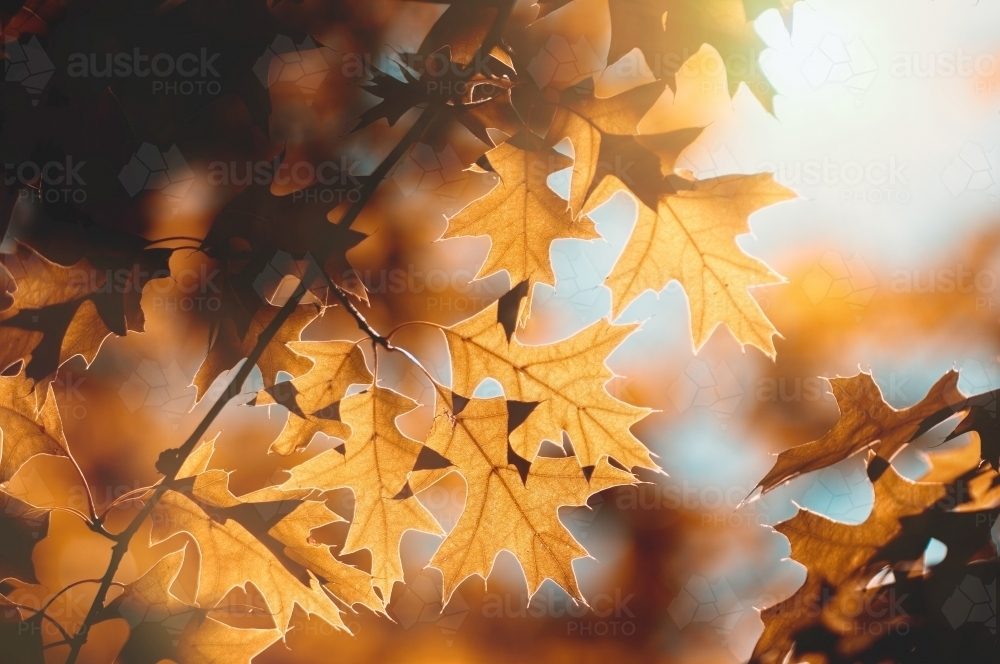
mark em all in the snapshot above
pixel 690 237
pixel 521 215
pixel 566 379
pixel 866 421
pixel 832 552
pixel 668 32
pixel 397 96
pixel 228 348
pixel 25 430
pixel 61 311
pixel 602 133
pixel 461 29
pixel 163 627
pixel 288 521
pixel 496 113
pixel 237 546
pixel 247 238
pixel 313 399
pixel 504 511
pixel 374 464
pixel 350 585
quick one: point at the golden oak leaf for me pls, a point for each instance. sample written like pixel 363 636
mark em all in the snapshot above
pixel 567 379
pixel 61 311
pixel 24 431
pixel 832 552
pixel 197 462
pixel 228 348
pixel 521 215
pixel 163 627
pixel 504 511
pixel 349 584
pixel 691 237
pixel 865 420
pixel 376 460
pixel 232 555
pixel 286 518
pixel 313 399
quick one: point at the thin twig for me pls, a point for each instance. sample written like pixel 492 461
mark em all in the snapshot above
pixel 345 300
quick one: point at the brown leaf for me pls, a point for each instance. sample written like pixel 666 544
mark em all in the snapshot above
pixel 865 420
pixel 60 312
pixel 237 548
pixel 313 399
pixel 668 32
pixel 832 552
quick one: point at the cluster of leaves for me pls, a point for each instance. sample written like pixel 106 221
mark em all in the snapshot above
pixel 469 74
pixel 871 594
